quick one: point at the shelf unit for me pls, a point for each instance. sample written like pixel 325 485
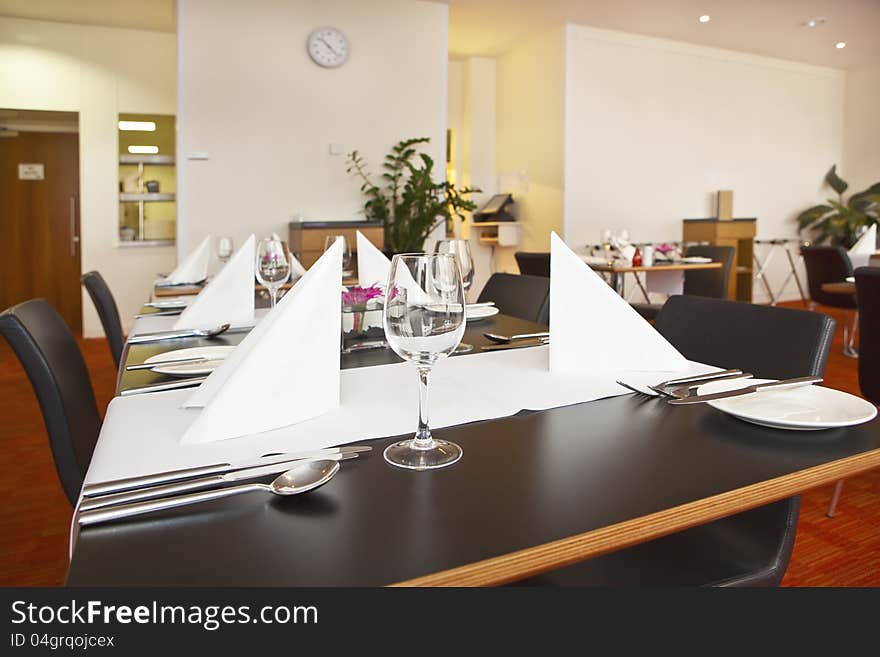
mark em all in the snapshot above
pixel 497 233
pixel 141 197
pixel 738 233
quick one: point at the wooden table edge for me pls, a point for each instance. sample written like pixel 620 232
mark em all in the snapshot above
pixel 842 288
pixel 685 266
pixel 514 566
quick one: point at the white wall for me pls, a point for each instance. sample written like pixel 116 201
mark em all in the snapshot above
pixel 654 128
pixel 98 72
pixel 250 97
pixel 529 137
pixel 861 156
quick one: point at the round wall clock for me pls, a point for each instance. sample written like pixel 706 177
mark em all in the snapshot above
pixel 328 47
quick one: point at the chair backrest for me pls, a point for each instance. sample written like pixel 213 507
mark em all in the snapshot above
pixel 105 304
pixel 710 282
pixel 53 362
pixel 526 297
pixel 769 342
pixel 868 294
pixel 533 264
pixel 827 264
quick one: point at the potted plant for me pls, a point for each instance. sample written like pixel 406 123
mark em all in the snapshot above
pixel 841 222
pixel 408 202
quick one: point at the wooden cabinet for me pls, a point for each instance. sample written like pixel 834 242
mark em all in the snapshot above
pixel 738 233
pixel 306 238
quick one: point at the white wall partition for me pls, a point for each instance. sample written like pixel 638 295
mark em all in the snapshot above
pixel 260 116
pixel 861 157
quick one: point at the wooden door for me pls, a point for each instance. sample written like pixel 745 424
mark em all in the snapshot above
pixel 39 223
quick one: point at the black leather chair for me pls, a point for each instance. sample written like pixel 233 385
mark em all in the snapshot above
pixel 752 548
pixel 868 295
pixel 831 264
pixel 533 264
pixel 711 283
pixel 526 297
pixel 105 304
pixel 53 362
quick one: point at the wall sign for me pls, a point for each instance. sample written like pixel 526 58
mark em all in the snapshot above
pixel 31 172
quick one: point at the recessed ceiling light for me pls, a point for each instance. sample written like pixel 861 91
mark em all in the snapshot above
pixel 143 150
pixel 814 22
pixel 705 18
pixel 143 126
pixel 840 45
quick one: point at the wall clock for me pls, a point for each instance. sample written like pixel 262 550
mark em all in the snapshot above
pixel 328 47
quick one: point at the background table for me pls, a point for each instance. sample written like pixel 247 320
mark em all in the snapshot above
pixel 619 272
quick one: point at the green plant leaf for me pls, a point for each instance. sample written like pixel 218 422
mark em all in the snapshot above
pixel 834 181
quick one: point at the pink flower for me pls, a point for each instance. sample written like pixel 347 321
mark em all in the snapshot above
pixel 357 297
pixel 664 248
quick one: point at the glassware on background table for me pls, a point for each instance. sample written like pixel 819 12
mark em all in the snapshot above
pixel 225 247
pixel 273 266
pixel 330 240
pixel 461 249
pixel 424 321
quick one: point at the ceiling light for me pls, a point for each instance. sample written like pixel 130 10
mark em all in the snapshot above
pixel 705 18
pixel 840 45
pixel 814 22
pixel 143 150
pixel 142 126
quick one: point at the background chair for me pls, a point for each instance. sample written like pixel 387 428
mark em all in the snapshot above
pixel 533 264
pixel 526 297
pixel 105 304
pixel 53 362
pixel 831 264
pixel 751 548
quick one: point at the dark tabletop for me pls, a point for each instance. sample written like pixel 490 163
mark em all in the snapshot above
pixel 523 481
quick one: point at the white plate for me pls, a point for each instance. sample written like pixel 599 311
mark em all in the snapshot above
pixel 190 369
pixel 476 314
pixel 696 259
pixel 807 408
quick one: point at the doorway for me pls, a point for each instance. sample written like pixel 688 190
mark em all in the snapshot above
pixel 39 211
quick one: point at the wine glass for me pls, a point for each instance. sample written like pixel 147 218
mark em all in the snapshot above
pixel 330 240
pixel 424 321
pixel 461 249
pixel 272 266
pixel 225 247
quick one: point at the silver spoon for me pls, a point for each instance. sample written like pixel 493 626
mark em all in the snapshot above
pixel 173 335
pixel 522 336
pixel 299 479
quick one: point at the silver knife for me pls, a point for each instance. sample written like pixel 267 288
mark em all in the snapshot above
pixel 785 383
pixel 173 284
pixel 142 481
pixel 183 333
pixel 518 344
pixel 166 304
pixel 161 313
pixel 160 387
pixel 201 483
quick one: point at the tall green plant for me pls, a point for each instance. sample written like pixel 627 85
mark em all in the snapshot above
pixel 837 221
pixel 408 202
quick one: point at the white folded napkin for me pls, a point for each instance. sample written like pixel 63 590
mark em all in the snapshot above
pixel 287 368
pixel 373 265
pixel 593 329
pixel 194 268
pixel 229 297
pixel 861 252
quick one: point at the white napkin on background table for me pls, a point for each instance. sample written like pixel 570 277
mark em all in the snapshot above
pixel 194 268
pixel 373 265
pixel 866 246
pixel 593 329
pixel 229 297
pixel 287 368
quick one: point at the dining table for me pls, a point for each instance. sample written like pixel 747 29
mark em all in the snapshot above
pixel 618 271
pixel 534 491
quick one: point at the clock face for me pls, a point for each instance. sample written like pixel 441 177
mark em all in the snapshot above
pixel 328 47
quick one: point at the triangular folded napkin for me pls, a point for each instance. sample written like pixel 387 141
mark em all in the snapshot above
pixel 194 268
pixel 287 368
pixel 373 265
pixel 229 297
pixel 861 252
pixel 593 329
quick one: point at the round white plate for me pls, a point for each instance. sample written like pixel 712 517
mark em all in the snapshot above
pixel 190 369
pixel 696 259
pixel 807 408
pixel 475 314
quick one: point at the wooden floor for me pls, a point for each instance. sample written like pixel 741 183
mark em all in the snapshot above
pixel 34 516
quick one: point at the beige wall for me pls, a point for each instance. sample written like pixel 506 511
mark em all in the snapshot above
pixel 251 99
pixel 861 156
pixel 97 72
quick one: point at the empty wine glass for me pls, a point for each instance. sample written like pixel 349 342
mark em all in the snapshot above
pixel 461 249
pixel 225 247
pixel 272 266
pixel 330 240
pixel 424 321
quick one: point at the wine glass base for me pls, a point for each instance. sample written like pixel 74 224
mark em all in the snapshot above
pixel 405 455
pixel 463 348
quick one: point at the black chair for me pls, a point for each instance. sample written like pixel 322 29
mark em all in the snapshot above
pixel 533 264
pixel 831 264
pixel 868 295
pixel 711 283
pixel 53 362
pixel 526 297
pixel 105 304
pixel 751 548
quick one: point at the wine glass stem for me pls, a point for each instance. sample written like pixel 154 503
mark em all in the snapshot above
pixel 274 292
pixel 423 439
